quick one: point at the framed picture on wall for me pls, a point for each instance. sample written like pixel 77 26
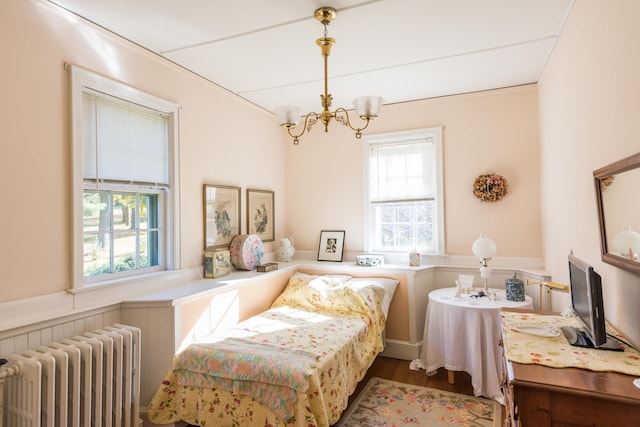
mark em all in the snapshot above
pixel 221 214
pixel 331 245
pixel 260 214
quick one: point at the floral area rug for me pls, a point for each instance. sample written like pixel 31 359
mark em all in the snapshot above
pixel 384 403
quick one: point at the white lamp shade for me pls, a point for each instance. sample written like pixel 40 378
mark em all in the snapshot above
pixel 627 240
pixel 484 247
pixel 288 115
pixel 368 106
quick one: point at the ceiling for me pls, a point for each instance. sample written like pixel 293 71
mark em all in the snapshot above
pixel 402 50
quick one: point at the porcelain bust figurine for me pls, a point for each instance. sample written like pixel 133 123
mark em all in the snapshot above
pixel 286 251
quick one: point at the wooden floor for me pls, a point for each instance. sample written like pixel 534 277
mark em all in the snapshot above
pixel 398 370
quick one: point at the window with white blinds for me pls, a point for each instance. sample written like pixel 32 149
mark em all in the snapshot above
pixel 404 198
pixel 125 180
pixel 402 171
pixel 123 142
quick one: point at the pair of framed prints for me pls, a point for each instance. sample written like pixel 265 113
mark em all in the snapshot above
pixel 222 207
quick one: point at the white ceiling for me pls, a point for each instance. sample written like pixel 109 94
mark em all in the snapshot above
pixel 402 50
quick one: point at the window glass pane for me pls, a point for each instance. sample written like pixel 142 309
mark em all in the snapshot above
pixel 386 237
pixel 97 254
pixel 148 251
pixel 124 209
pixel 152 249
pixel 403 213
pixel 143 212
pixel 124 251
pixel 404 234
pixel 95 211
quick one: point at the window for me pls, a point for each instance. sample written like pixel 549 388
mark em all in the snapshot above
pixel 404 206
pixel 125 181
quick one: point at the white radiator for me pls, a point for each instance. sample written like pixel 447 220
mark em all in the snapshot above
pixel 88 380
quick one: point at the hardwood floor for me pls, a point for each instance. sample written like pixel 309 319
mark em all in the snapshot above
pixel 398 370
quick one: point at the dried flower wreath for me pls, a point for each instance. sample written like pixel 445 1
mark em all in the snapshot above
pixel 490 187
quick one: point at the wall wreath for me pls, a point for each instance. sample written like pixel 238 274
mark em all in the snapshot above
pixel 490 187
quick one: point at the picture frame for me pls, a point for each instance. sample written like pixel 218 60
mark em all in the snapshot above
pixel 260 214
pixel 221 209
pixel 331 245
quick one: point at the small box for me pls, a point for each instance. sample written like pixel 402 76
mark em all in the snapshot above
pixel 216 263
pixel 369 260
pixel 515 289
pixel 414 259
pixel 270 266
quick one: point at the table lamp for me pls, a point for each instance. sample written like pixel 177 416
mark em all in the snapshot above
pixel 484 248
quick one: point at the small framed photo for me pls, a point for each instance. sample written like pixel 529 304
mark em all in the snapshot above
pixel 260 215
pixel 221 215
pixel 331 245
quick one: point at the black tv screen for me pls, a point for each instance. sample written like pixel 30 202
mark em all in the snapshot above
pixel 586 298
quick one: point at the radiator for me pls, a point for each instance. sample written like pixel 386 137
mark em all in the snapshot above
pixel 91 379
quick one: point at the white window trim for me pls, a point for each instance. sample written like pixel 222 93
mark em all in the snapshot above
pixel 81 78
pixel 435 132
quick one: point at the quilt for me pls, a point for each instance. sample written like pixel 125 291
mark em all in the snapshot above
pixel 293 365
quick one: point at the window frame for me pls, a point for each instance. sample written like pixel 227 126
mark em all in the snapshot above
pixel 402 137
pixel 81 78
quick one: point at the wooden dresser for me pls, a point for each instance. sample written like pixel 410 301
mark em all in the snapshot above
pixel 537 396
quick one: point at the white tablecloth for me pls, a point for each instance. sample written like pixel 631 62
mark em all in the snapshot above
pixel 461 336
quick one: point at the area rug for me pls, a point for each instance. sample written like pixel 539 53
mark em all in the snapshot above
pixel 385 403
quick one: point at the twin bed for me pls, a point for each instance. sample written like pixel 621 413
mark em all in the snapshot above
pixel 293 365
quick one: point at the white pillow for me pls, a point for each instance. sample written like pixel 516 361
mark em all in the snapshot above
pixel 338 278
pixel 386 286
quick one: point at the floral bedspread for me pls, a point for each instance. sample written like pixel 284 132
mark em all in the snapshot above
pixel 554 350
pixel 341 326
pixel 271 375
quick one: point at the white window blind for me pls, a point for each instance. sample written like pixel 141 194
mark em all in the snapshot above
pixel 402 172
pixel 123 142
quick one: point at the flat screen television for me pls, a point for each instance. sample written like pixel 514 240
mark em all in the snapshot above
pixel 586 299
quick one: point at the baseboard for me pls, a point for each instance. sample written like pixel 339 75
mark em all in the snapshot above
pixel 402 350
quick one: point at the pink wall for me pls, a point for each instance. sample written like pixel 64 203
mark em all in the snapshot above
pixel 494 131
pixel 224 140
pixel 589 112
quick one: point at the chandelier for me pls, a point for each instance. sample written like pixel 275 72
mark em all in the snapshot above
pixel 367 107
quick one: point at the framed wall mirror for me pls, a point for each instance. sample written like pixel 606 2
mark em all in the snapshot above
pixel 618 197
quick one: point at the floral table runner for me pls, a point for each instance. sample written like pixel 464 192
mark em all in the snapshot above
pixel 544 344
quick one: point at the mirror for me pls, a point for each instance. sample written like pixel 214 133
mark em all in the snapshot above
pixel 618 201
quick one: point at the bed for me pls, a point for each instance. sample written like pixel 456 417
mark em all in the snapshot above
pixel 293 365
